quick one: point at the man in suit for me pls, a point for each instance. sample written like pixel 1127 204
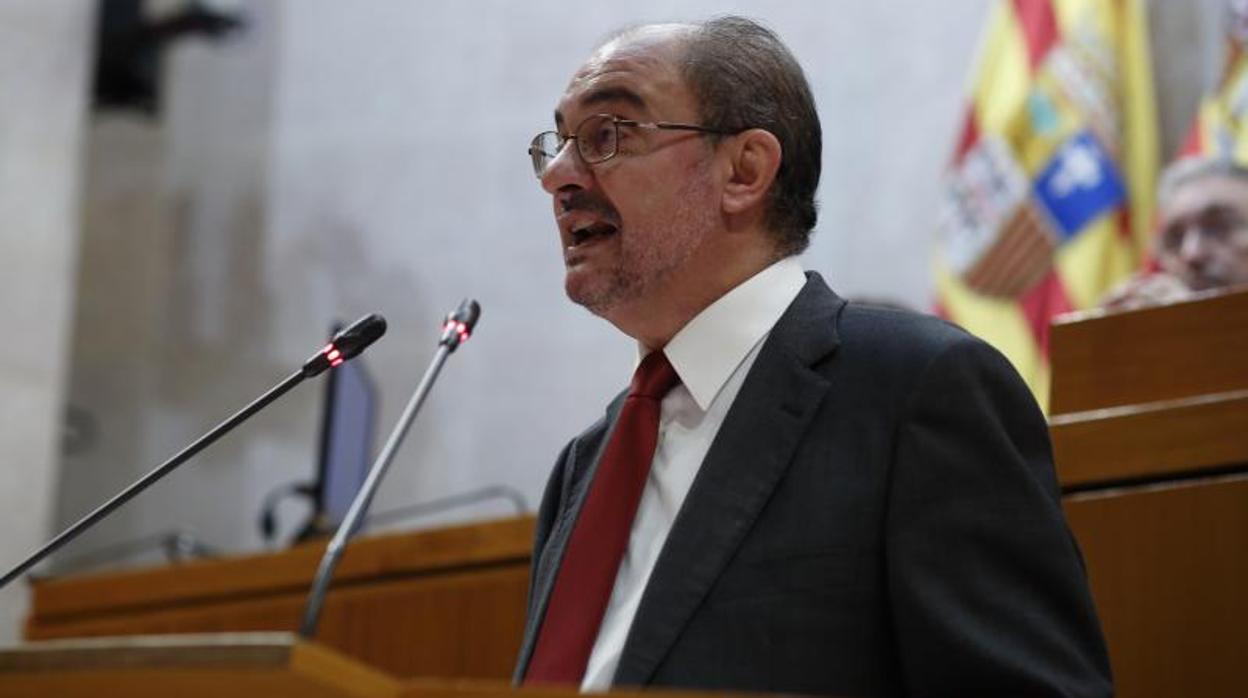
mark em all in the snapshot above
pixel 796 494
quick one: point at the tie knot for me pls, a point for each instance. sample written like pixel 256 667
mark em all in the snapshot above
pixel 654 377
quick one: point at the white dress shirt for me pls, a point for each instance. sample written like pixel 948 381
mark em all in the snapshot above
pixel 712 355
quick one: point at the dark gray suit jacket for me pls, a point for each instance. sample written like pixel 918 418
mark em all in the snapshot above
pixel 878 516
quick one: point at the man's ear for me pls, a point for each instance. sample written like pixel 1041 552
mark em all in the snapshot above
pixel 755 159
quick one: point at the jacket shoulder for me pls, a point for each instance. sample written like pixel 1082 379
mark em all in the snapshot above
pixel 896 352
pixel 898 330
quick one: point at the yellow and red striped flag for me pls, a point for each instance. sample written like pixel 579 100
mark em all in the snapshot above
pixel 1049 197
pixel 1220 129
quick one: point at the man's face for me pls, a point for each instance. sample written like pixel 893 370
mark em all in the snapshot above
pixel 629 224
pixel 1204 232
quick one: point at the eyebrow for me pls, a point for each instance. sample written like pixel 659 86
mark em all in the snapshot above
pixel 1214 208
pixel 1218 208
pixel 607 94
pixel 1174 225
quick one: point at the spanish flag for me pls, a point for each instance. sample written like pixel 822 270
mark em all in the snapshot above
pixel 1048 201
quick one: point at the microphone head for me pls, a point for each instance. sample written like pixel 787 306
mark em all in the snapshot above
pixel 346 344
pixel 468 312
pixel 361 333
pixel 459 324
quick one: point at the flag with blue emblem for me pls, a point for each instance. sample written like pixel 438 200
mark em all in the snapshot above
pixel 1079 185
pixel 1048 200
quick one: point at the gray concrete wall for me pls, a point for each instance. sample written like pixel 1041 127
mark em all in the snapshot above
pixel 170 331
pixel 44 54
pixel 335 161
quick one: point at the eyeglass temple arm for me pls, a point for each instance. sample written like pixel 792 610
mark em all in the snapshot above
pixel 670 126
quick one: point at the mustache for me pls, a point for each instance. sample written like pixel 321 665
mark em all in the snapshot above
pixel 582 200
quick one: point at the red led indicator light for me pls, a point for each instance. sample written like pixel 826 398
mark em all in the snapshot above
pixel 334 355
pixel 459 328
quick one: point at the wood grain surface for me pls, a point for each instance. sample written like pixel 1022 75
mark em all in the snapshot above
pixel 1169 569
pixel 1195 347
pixel 446 602
pixel 1161 439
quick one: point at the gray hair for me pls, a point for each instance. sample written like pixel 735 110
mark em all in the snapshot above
pixel 1191 167
pixel 744 77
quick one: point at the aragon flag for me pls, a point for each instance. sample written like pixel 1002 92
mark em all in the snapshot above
pixel 1048 200
pixel 1220 129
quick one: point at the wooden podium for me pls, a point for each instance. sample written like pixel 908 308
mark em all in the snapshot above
pixel 188 666
pixel 273 665
pixel 429 614
pixel 1150 434
pixel 448 602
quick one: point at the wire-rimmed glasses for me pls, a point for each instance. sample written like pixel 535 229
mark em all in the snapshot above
pixel 597 139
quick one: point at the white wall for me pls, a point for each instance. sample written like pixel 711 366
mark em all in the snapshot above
pixel 340 159
pixel 44 52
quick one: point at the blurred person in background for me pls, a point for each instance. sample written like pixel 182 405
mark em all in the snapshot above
pixel 1202 240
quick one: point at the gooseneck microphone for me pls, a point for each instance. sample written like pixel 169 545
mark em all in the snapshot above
pixel 344 345
pixel 455 331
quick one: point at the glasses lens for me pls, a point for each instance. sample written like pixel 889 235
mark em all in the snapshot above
pixel 596 138
pixel 543 149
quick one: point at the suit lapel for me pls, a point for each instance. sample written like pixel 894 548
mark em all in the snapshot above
pixel 582 462
pixel 747 459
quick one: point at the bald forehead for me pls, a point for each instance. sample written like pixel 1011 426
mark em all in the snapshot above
pixel 669 38
pixel 637 67
pixel 1209 190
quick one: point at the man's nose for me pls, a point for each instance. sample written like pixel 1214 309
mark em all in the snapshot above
pixel 566 170
pixel 1195 245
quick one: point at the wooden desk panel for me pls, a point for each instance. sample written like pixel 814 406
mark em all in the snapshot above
pixel 447 603
pixel 1189 435
pixel 273 665
pixel 1194 347
pixel 423 552
pixel 1169 569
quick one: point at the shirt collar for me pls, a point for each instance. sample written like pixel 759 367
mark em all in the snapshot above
pixel 708 349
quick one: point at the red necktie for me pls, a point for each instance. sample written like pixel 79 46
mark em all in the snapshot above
pixel 592 559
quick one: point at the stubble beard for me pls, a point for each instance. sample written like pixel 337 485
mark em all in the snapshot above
pixel 649 256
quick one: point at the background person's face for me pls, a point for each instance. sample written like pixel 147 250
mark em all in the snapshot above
pixel 1204 232
pixel 649 207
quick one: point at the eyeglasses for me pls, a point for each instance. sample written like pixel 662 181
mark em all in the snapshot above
pixel 597 139
pixel 1214 228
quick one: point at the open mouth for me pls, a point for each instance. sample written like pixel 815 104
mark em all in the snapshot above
pixel 591 232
